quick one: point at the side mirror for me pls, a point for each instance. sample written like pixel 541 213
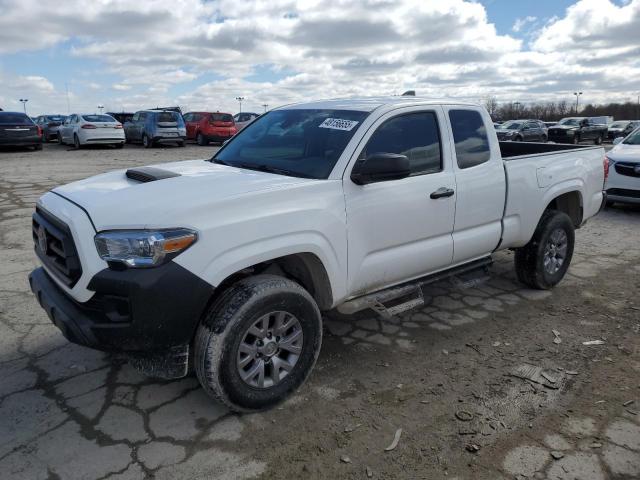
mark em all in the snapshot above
pixel 380 167
pixel 617 140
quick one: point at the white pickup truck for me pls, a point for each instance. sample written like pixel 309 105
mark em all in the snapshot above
pixel 225 264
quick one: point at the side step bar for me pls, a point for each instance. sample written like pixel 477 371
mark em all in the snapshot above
pixel 395 300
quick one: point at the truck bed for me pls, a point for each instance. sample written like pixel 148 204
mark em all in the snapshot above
pixel 542 172
pixel 518 150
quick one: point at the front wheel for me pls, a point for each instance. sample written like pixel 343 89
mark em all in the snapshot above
pixel 543 262
pixel 258 342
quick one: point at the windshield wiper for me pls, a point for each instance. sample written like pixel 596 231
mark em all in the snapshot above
pixel 270 169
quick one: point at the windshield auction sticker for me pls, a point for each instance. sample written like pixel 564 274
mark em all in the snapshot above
pixel 338 124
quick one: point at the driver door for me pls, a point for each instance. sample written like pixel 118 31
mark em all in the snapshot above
pixel 396 229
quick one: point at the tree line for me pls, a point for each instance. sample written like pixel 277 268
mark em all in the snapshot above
pixel 554 111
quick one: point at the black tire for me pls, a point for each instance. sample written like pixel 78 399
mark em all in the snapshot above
pixel 609 203
pixel 181 143
pixel 529 260
pixel 60 142
pixel 225 325
pixel 146 141
pixel 200 140
pixel 598 140
pixel 76 142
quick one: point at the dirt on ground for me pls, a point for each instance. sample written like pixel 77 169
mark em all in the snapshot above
pixel 489 380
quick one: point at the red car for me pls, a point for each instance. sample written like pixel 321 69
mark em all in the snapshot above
pixel 205 127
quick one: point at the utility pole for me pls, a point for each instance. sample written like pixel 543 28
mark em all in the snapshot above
pixel 24 104
pixel 265 105
pixel 577 94
pixel 240 99
pixel 517 105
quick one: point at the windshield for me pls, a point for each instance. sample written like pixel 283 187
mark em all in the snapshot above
pixel 511 126
pixel 7 118
pixel 569 121
pixel 619 125
pixel 633 138
pixel 55 118
pixel 221 117
pixel 98 118
pixel 299 143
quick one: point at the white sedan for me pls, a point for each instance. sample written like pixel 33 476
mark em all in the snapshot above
pixel 91 129
pixel 623 183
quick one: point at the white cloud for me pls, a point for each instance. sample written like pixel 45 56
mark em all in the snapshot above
pixel 327 49
pixel 520 23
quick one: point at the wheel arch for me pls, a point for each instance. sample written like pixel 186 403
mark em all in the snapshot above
pixel 570 203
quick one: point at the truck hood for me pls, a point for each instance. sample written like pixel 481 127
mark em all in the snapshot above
pixel 114 201
pixel 625 153
pixel 564 127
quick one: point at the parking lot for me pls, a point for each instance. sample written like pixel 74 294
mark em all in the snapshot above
pixel 448 377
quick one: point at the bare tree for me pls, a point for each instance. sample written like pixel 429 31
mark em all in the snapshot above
pixel 491 104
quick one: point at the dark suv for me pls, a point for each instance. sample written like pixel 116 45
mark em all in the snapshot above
pixel 576 129
pixel 152 127
pixel 522 131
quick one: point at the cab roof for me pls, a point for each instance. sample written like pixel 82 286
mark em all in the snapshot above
pixel 368 104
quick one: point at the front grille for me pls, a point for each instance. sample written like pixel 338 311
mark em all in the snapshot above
pixel 558 133
pixel 628 169
pixel 53 244
pixel 623 192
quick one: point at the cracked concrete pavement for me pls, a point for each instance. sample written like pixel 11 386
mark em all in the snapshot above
pixel 72 413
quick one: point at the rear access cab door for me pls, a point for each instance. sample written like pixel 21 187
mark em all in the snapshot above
pixel 480 182
pixel 396 230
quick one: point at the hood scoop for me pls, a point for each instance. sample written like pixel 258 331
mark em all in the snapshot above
pixel 149 174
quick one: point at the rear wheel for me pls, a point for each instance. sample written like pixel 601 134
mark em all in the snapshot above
pixel 76 141
pixel 200 140
pixel 258 342
pixel 543 262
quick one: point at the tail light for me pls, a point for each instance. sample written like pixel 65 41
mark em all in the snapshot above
pixel 118 126
pixel 39 131
pixel 605 165
pixel 88 125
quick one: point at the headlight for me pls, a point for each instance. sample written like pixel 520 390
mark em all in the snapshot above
pixel 143 248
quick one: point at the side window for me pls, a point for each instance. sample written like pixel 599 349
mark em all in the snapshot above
pixel 142 117
pixel 415 135
pixel 187 117
pixel 470 137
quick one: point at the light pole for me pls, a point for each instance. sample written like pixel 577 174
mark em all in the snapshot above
pixel 24 104
pixel 100 107
pixel 240 99
pixel 577 94
pixel 265 105
pixel 517 105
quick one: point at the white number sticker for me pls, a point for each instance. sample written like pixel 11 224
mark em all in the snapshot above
pixel 338 124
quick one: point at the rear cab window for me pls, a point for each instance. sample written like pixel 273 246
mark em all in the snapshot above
pixel 470 138
pixel 415 135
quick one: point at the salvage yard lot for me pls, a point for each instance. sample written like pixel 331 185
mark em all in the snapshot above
pixel 447 374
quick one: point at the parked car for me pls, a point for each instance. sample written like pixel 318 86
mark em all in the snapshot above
pixel 576 129
pixel 80 129
pixel 243 119
pixel 522 131
pixel 122 117
pixel 623 184
pixel 550 124
pixel 622 128
pixel 49 125
pixel 229 261
pixel 18 130
pixel 152 127
pixel 205 127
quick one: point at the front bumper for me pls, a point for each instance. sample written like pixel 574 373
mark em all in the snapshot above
pixel 142 311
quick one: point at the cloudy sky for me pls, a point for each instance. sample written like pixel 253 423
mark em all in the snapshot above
pixel 202 54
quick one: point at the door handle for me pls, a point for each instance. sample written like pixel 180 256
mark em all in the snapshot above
pixel 442 192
